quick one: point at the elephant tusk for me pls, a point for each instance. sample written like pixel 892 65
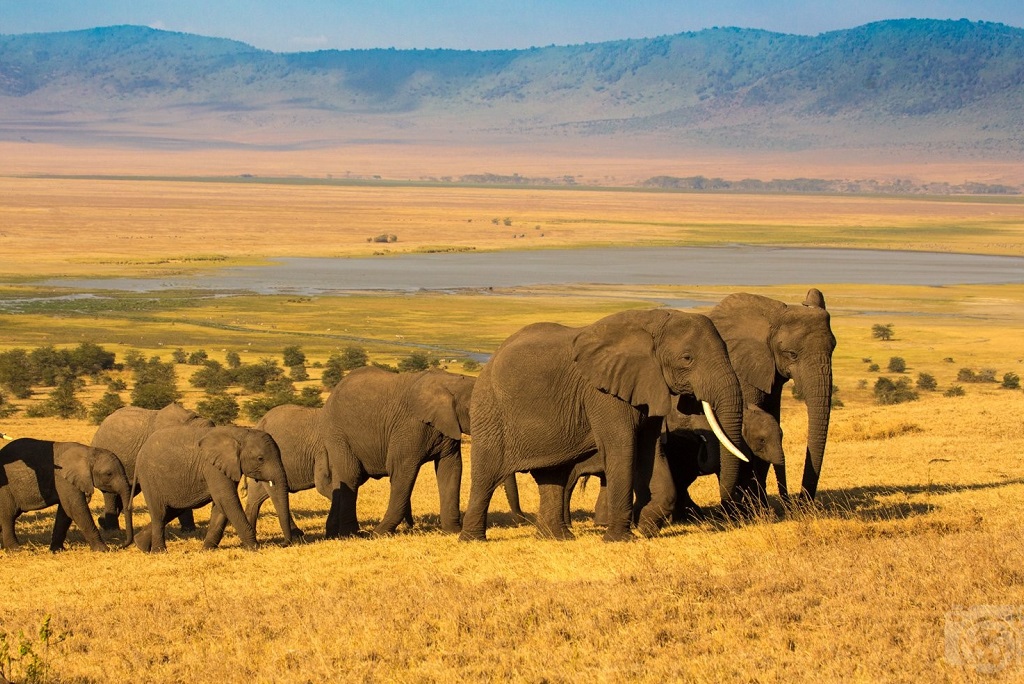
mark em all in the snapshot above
pixel 4 435
pixel 717 429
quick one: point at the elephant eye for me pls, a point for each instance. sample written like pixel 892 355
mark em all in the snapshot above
pixel 791 355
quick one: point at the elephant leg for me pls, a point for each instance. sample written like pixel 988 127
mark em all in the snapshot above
pixel 111 510
pixel 8 514
pixel 187 521
pixel 61 525
pixel 474 524
pixel 619 470
pixel 655 479
pixel 601 505
pixel 550 517
pixel 153 539
pixel 514 505
pixel 215 528
pixel 780 480
pixel 398 502
pixel 78 510
pixel 231 507
pixel 448 469
pixel 347 474
pixel 684 472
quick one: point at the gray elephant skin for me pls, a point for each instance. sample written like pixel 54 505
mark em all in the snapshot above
pixel 298 433
pixel 770 343
pixel 376 424
pixel 552 395
pixel 36 474
pixel 183 468
pixel 690 449
pixel 124 432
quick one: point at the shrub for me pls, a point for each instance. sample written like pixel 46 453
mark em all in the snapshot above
pixel 91 359
pixel 179 355
pixel 221 408
pixel 966 375
pixel 293 356
pixel 987 375
pixel 117 385
pixel 298 372
pixel 107 404
pixel 882 332
pixel 133 359
pixel 1011 381
pixel 954 391
pixel 385 366
pixel 417 361
pixel 309 396
pixel 198 358
pixel 50 365
pixel 6 408
pixel 897 364
pixel 888 392
pixel 233 359
pixel 470 366
pixel 874 368
pixel 926 381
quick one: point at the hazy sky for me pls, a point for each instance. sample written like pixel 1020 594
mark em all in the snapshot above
pixel 301 25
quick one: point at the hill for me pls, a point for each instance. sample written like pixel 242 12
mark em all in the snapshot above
pixel 952 89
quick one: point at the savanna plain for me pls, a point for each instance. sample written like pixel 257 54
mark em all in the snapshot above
pixel 909 567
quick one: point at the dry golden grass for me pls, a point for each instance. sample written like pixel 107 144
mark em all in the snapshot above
pixel 919 511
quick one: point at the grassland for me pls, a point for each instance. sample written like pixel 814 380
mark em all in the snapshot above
pixel 919 516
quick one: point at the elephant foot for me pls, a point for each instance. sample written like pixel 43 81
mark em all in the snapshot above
pixel 57 549
pixel 452 528
pixel 618 535
pixel 188 529
pixel 469 536
pixel 559 534
pixel 688 514
pixel 519 518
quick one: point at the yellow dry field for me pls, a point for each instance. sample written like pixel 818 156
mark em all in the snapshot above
pixel 910 569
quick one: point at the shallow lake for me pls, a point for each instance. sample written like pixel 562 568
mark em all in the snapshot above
pixel 740 265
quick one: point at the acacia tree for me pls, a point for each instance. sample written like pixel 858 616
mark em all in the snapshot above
pixel 882 331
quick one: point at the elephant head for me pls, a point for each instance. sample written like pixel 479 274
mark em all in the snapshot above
pixel 442 400
pixel 237 451
pixel 651 357
pixel 87 468
pixel 770 343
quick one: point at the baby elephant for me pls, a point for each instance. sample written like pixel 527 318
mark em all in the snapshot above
pixel 36 474
pixel 182 468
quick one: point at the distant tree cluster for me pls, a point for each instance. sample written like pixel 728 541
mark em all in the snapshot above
pixel 822 186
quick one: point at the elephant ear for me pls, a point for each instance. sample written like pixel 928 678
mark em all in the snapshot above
pixel 745 323
pixel 431 401
pixel 71 461
pixel 222 450
pixel 815 299
pixel 618 355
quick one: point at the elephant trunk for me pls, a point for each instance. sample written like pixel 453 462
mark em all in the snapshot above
pixel 725 399
pixel 127 503
pixel 819 410
pixel 279 495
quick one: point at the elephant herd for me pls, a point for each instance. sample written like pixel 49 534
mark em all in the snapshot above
pixel 640 398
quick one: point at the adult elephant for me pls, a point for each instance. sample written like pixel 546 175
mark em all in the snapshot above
pixel 553 395
pixel 377 424
pixel 770 343
pixel 185 467
pixel 124 432
pixel 36 474
pixel 298 431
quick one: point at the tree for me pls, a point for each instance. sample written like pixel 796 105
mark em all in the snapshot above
pixel 254 377
pixel 212 377
pixel 882 332
pixel 926 381
pixel 417 361
pixel 233 359
pixel 133 360
pixel 298 372
pixel 91 359
pixel 16 373
pixel 1011 381
pixel 50 365
pixel 470 365
pixel 897 364
pixel 293 356
pixel 62 402
pixel 179 355
pixel 221 408
pixel 155 385
pixel 107 404
pixel 352 358
pixel 278 391
pixel 309 396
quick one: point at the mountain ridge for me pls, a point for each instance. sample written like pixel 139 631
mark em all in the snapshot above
pixel 950 87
